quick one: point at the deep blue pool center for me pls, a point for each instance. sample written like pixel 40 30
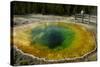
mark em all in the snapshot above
pixel 52 36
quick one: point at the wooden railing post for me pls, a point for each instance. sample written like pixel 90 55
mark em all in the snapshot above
pixel 82 18
pixel 89 19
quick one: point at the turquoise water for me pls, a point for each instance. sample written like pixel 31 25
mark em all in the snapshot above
pixel 53 37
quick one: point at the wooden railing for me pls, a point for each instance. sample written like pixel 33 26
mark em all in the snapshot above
pixel 85 18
